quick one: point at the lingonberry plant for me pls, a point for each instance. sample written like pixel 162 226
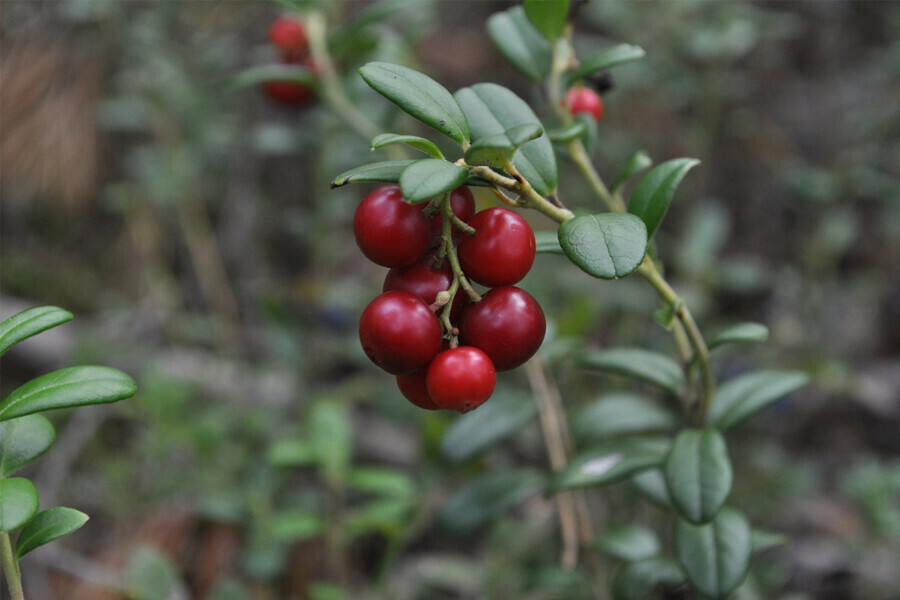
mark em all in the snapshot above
pixel 25 435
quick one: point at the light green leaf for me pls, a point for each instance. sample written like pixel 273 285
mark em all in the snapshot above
pixel 287 73
pixel 606 59
pixel 291 452
pixel 289 526
pixel 22 440
pixel 430 177
pixel 698 474
pixel 30 322
pixel 645 365
pixel 18 503
pixel 763 540
pixel 715 556
pixel 609 463
pixel 651 197
pixel 386 171
pixel 740 398
pixel 414 141
pixel 497 420
pixel 487 497
pixel 547 242
pixel 569 133
pixel 621 413
pixel 640 580
pixel 389 483
pixel 520 43
pixel 607 245
pixel 548 16
pixel 740 333
pixel 48 525
pixel 630 543
pixel 639 161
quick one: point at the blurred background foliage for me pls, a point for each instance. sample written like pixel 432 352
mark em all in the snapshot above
pixel 188 222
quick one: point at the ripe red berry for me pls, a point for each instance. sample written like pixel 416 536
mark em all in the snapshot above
pixel 288 92
pixel 461 378
pixel 423 280
pixel 508 325
pixel 582 99
pixel 288 35
pixel 502 250
pixel 390 231
pixel 399 332
pixel 414 389
pixel 462 202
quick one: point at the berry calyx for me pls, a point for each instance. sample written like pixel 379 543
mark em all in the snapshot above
pixel 461 379
pixel 288 35
pixel 399 333
pixel 501 251
pixel 390 231
pixel 507 324
pixel 414 389
pixel 584 100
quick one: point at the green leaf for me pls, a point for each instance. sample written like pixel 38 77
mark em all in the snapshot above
pixel 430 177
pixel 22 440
pixel 289 526
pixel 291 452
pixel 65 388
pixel 420 96
pixel 762 540
pixel 740 398
pixel 389 483
pixel 652 485
pixel 568 134
pixel 520 134
pixel 520 43
pixel 609 463
pixel 274 72
pixel 487 497
pixel 639 161
pixel 645 365
pixel 621 414
pixel 591 131
pixel 419 143
pixel 547 242
pixel 630 543
pixel 740 333
pixel 18 502
pixel 698 474
pixel 387 516
pixel 715 556
pixel 498 150
pixel 492 109
pixel 151 575
pixel 30 322
pixel 607 245
pixel 640 580
pixel 548 16
pixel 48 525
pixel 386 171
pixel 605 59
pixel 497 420
pixel 651 197
pixel 331 436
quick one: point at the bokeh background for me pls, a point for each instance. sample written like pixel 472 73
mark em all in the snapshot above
pixel 188 223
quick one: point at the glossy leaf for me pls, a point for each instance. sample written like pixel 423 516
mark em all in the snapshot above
pixel 547 16
pixel 651 197
pixel 621 414
pixel 430 177
pixel 715 556
pixel 65 388
pixel 414 141
pixel 740 398
pixel 698 474
pixel 639 580
pixel 607 245
pixel 49 525
pixel 638 363
pixel 22 440
pixel 18 503
pixel 420 96
pixel 609 463
pixel 740 333
pixel 487 497
pixel 386 171
pixel 639 161
pixel 274 72
pixel 567 134
pixel 606 59
pixel 520 43
pixel 492 109
pixel 630 542
pixel 547 242
pixel 30 322
pixel 495 421
pixel 652 485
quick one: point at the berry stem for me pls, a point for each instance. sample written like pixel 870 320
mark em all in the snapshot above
pixel 10 568
pixel 459 278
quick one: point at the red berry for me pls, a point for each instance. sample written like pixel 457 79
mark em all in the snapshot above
pixel 415 390
pixel 462 202
pixel 399 332
pixel 390 231
pixel 288 92
pixel 288 35
pixel 502 250
pixel 461 378
pixel 582 99
pixel 507 324
pixel 423 280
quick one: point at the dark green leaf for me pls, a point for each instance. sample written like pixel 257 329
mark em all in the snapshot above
pixel 291 526
pixel 48 525
pixel 548 16
pixel 420 96
pixel 630 542
pixel 567 134
pixel 698 474
pixel 740 398
pixel 386 171
pixel 621 414
pixel 740 333
pixel 22 440
pixel 274 72
pixel 497 420
pixel 607 245
pixel 18 503
pixel 651 197
pixel 645 365
pixel 715 556
pixel 419 143
pixel 606 59
pixel 525 132
pixel 498 150
pixel 430 177
pixel 520 43
pixel 640 580
pixel 762 540
pixel 609 463
pixel 637 163
pixel 547 242
pixel 74 386
pixel 30 322
pixel 492 109
pixel 487 497
pixel 652 485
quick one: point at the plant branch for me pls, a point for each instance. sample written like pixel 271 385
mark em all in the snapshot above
pixel 10 568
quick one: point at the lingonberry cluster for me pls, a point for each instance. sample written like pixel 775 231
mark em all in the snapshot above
pixel 430 328
pixel 288 35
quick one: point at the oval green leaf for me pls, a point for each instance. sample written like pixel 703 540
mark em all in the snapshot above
pixel 630 542
pixel 639 161
pixel 494 151
pixel 420 96
pixel 740 398
pixel 739 334
pixel 640 580
pixel 22 440
pixel 49 525
pixel 651 484
pixel 698 474
pixel 621 413
pixel 386 171
pixel 609 463
pixel 274 72
pixel 414 141
pixel 501 418
pixel 18 503
pixel 645 365
pixel 520 43
pixel 605 59
pixel 430 177
pixel 548 16
pixel 74 386
pixel 569 133
pixel 487 497
pixel 547 242
pixel 607 245
pixel 651 197
pixel 715 556
pixel 492 109
pixel 30 322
